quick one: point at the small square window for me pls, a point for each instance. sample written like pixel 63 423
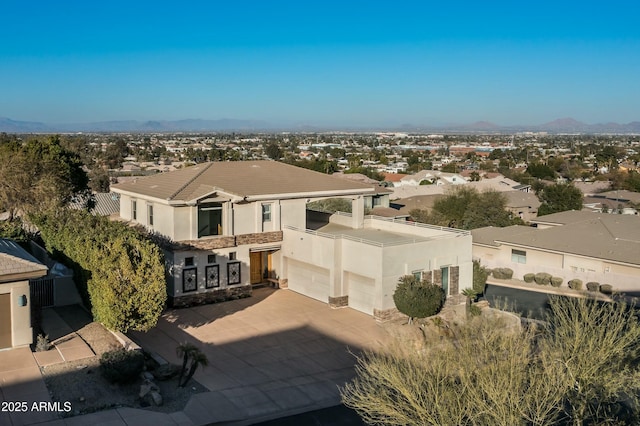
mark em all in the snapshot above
pixel 188 261
pixel 232 255
pixel 211 258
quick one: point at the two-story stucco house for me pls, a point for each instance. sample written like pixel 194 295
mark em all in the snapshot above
pixel 231 225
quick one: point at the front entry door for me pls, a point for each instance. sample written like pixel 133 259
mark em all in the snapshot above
pixel 255 260
pixel 5 321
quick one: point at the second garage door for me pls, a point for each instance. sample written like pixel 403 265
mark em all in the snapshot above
pixel 308 279
pixel 361 292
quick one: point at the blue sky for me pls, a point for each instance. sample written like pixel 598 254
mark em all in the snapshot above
pixel 358 63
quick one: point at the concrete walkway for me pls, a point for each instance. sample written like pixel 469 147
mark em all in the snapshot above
pixel 67 345
pixel 274 354
pixel 21 383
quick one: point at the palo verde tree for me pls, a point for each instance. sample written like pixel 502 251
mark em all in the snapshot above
pixel 579 369
pixel 119 272
pixel 466 208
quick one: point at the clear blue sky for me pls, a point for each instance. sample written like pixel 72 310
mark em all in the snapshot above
pixel 321 62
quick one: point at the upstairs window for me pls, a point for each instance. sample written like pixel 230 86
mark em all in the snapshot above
pixel 266 212
pixel 150 215
pixel 134 210
pixel 518 256
pixel 209 219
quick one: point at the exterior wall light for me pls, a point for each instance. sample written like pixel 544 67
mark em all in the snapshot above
pixel 22 300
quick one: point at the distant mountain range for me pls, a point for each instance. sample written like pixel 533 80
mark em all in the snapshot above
pixel 563 125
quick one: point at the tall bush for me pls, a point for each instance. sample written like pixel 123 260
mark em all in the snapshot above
pixel 418 299
pixel 119 272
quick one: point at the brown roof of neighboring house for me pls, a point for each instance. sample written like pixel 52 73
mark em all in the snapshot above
pixel 241 178
pixel 601 236
pixel 521 199
pixel 393 177
pixel 17 263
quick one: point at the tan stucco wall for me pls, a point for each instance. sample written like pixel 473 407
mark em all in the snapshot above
pixel 22 333
pixel 566 266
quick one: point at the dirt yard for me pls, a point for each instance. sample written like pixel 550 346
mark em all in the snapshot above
pixel 81 382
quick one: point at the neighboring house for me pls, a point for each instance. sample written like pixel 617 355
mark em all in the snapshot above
pixel 17 267
pixel 603 248
pixel 230 225
pixel 432 177
pixel 522 204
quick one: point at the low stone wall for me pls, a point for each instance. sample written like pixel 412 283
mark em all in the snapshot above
pixel 214 296
pixel 388 315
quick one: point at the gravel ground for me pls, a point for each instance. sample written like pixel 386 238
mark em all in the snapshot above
pixel 81 383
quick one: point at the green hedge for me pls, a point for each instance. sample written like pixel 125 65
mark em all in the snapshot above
pixel 528 278
pixel 418 299
pixel 543 278
pixel 593 286
pixel 502 273
pixel 575 284
pixel 119 273
pixel 556 281
pixel 606 288
pixel 121 366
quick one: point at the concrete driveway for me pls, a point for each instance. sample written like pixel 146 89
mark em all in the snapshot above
pixel 276 353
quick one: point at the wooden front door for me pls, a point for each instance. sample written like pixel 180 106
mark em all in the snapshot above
pixel 5 321
pixel 255 265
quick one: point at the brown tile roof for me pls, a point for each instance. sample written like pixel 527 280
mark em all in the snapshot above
pixel 15 260
pixel 241 178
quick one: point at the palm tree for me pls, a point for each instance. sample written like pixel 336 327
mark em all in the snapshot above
pixel 197 358
pixel 186 351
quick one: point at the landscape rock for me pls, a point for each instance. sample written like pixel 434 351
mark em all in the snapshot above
pixel 157 398
pixel 147 376
pixel 166 371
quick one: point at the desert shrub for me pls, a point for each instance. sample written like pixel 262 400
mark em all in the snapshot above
pixel 503 273
pixel 121 366
pixel 593 286
pixel 480 274
pixel 575 284
pixel 475 310
pixel 542 278
pixel 528 278
pixel 556 281
pixel 418 299
pixel 42 343
pixel 606 288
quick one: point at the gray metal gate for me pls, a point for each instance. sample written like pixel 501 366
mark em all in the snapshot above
pixel 42 292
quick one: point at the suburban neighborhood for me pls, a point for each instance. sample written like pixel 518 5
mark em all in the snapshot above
pixel 267 265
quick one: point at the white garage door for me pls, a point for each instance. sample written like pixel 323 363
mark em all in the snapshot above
pixel 361 292
pixel 308 279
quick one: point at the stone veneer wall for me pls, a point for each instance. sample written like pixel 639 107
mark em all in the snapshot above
pixel 214 296
pixel 227 241
pixel 339 302
pixel 259 238
pixel 384 315
pixel 454 280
